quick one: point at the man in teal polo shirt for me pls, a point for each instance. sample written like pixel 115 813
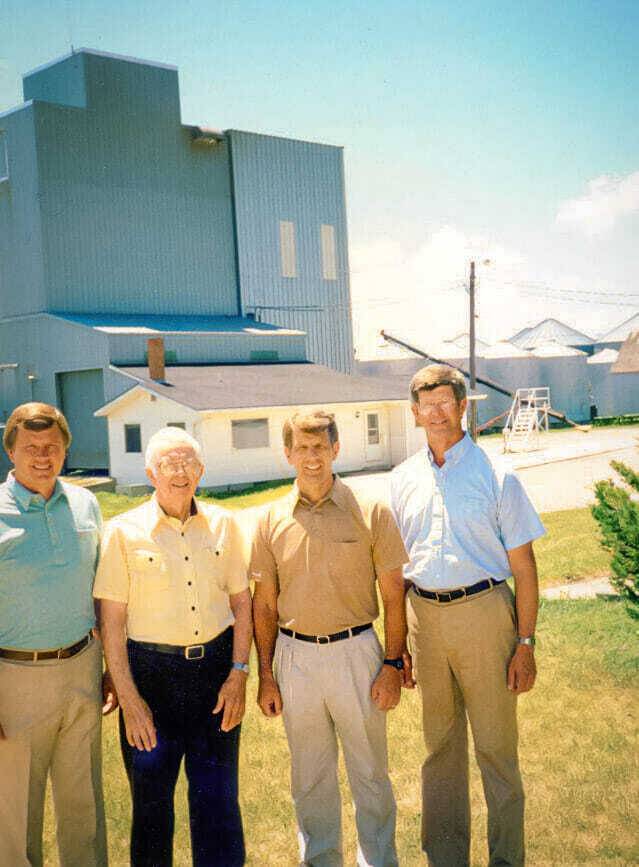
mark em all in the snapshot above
pixel 50 661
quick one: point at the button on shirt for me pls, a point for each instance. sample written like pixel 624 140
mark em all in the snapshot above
pixel 175 578
pixel 324 558
pixel 48 555
pixel 459 520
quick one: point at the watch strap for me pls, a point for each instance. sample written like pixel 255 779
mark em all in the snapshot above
pixel 241 666
pixel 395 663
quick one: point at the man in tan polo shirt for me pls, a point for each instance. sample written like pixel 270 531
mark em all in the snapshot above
pixel 315 559
pixel 172 580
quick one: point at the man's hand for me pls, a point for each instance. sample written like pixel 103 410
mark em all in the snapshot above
pixel 269 697
pixel 232 698
pixel 408 681
pixel 138 723
pixel 522 670
pixel 387 688
pixel 109 695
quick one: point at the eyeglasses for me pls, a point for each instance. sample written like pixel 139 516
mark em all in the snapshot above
pixel 171 467
pixel 442 405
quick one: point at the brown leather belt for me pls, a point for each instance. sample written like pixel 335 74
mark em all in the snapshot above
pixel 37 655
pixel 458 593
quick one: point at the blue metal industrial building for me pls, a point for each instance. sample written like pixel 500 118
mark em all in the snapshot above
pixel 119 223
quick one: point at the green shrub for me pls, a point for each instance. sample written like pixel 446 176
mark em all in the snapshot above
pixel 618 517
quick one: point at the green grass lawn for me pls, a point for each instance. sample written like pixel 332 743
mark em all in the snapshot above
pixel 570 550
pixel 579 757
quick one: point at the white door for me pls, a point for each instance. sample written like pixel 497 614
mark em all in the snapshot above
pixel 375 448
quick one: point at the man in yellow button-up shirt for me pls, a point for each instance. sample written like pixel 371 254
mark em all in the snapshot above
pixel 176 626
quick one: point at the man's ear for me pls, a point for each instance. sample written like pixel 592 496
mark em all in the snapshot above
pixel 415 410
pixel 335 449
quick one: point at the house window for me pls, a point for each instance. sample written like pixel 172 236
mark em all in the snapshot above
pixel 180 424
pixel 250 433
pixel 372 428
pixel 132 439
pixel 329 255
pixel 287 249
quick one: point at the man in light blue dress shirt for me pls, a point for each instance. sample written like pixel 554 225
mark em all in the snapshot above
pixel 50 661
pixel 467 525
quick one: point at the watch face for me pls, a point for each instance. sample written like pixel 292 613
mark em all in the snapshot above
pixel 395 663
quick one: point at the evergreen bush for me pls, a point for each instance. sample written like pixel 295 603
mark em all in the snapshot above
pixel 617 514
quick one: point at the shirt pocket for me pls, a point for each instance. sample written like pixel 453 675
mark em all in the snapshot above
pixel 149 572
pixel 210 564
pixel 348 555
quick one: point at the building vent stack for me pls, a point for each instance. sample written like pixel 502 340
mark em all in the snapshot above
pixel 155 355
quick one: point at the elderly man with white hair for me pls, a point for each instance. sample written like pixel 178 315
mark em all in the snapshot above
pixel 176 625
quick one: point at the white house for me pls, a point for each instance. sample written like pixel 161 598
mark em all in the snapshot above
pixel 236 413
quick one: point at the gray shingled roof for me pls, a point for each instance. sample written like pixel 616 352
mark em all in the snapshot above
pixel 628 359
pixel 236 386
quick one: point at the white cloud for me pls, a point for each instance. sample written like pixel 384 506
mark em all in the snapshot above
pixel 607 199
pixel 421 295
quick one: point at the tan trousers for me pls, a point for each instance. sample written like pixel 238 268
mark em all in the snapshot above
pixel 326 694
pixel 461 651
pixel 51 715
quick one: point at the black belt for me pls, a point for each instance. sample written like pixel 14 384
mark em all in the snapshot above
pixel 188 651
pixel 327 639
pixel 37 655
pixel 460 593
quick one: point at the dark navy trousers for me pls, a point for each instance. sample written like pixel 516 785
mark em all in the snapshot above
pixel 181 694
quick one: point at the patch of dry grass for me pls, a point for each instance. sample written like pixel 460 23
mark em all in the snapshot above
pixel 579 756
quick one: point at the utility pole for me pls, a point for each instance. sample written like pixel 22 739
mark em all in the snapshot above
pixel 472 414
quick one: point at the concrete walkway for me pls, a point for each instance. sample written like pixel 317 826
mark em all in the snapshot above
pixel 581 590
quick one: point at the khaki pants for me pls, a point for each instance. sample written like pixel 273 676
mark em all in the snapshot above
pixel 461 651
pixel 51 715
pixel 326 694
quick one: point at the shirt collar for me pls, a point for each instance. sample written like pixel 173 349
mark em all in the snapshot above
pixel 452 455
pixel 24 496
pixel 338 494
pixel 158 515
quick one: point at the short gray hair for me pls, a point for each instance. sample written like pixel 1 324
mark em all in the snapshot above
pixel 168 438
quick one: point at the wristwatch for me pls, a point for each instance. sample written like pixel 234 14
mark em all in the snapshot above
pixel 395 663
pixel 529 640
pixel 241 666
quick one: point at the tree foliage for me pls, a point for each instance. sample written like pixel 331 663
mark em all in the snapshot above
pixel 617 514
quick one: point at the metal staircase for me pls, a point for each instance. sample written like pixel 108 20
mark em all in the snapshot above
pixel 527 417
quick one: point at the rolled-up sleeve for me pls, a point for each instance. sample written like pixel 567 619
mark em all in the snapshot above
pixel 112 576
pixel 518 520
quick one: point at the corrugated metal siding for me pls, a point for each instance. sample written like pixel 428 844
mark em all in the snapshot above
pixel 21 263
pixel 135 219
pixel 62 83
pixel 209 348
pixel 281 179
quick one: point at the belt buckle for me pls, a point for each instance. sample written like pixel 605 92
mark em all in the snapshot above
pixel 445 593
pixel 323 639
pixel 188 651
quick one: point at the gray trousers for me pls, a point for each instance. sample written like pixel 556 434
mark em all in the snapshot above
pixel 326 694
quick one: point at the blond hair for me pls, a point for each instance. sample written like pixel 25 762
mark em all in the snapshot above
pixel 310 422
pixel 434 375
pixel 35 417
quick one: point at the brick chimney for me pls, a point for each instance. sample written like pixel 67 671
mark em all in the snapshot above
pixel 155 355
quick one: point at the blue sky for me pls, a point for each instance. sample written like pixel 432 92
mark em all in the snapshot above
pixel 499 130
